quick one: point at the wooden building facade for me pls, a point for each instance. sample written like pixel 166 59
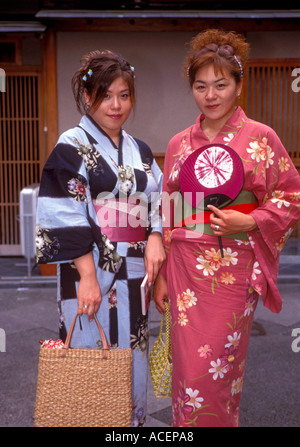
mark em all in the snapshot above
pixel 31 118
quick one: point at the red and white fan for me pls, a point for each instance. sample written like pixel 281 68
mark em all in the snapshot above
pixel 215 170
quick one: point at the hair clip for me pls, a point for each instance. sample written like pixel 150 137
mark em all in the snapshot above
pixel 240 65
pixel 90 72
pixel 132 69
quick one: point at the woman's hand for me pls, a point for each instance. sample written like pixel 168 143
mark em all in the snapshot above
pixel 155 256
pixel 230 221
pixel 160 293
pixel 88 293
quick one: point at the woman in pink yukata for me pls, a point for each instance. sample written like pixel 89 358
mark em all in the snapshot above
pixel 213 299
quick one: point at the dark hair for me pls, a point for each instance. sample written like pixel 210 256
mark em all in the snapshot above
pixel 225 50
pixel 98 70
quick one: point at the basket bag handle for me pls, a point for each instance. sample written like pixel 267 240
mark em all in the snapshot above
pixel 105 344
pixel 168 340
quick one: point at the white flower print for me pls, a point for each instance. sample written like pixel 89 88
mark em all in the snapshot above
pixel 189 298
pixel 89 154
pixel 260 150
pixel 268 157
pixel 230 257
pixel 108 244
pixel 252 243
pixel 283 164
pixel 39 242
pixel 126 186
pixel 185 300
pixel 228 138
pixel 217 369
pixel 255 270
pixel 195 401
pixel 180 303
pixel 249 307
pixel 236 386
pixel 234 340
pixel 255 151
pixel 206 266
pixel 182 319
pixel 278 197
pixel 125 179
pixel 239 242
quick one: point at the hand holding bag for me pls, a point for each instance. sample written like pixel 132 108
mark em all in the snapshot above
pixel 84 387
pixel 161 359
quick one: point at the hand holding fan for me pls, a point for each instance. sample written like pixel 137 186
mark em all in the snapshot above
pixel 217 171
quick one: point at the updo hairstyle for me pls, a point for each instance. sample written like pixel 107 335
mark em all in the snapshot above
pixel 225 50
pixel 98 70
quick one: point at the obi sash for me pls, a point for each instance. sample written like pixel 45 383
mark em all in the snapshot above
pixel 122 221
pixel 199 220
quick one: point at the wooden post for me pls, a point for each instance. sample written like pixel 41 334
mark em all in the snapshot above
pixel 51 103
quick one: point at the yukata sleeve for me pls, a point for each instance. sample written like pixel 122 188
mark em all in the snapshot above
pixel 279 208
pixel 64 229
pixel 278 211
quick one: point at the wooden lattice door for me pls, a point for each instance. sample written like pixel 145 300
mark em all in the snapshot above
pixel 21 146
pixel 269 97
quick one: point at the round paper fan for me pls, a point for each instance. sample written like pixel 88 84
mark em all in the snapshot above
pixel 216 171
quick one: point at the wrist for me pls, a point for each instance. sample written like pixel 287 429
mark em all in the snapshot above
pixel 252 225
pixel 86 267
pixel 155 234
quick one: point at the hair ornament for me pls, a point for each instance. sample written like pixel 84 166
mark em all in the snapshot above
pixel 239 64
pixel 90 72
pixel 132 69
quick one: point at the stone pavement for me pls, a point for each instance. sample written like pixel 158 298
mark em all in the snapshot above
pixel 271 393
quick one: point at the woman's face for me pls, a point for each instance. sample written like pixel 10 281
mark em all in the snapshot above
pixel 215 93
pixel 114 109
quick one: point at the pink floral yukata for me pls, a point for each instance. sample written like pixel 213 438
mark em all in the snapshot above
pixel 213 299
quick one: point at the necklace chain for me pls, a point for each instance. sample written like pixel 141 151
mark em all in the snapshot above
pixel 210 137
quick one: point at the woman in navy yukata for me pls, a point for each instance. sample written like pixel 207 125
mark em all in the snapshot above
pixel 101 257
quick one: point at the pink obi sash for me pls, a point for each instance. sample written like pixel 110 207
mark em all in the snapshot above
pixel 121 220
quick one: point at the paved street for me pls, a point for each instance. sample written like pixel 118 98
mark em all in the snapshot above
pixel 271 394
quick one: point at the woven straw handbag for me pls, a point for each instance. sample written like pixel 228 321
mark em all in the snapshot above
pixel 82 387
pixel 160 359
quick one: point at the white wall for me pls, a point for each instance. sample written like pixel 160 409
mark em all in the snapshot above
pixel 165 104
pixel 272 45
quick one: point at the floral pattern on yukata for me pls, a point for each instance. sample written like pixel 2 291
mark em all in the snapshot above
pixel 214 267
pixel 189 404
pixel 45 246
pixel 89 154
pixel 77 189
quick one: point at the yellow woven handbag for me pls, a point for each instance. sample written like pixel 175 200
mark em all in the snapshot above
pixel 160 359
